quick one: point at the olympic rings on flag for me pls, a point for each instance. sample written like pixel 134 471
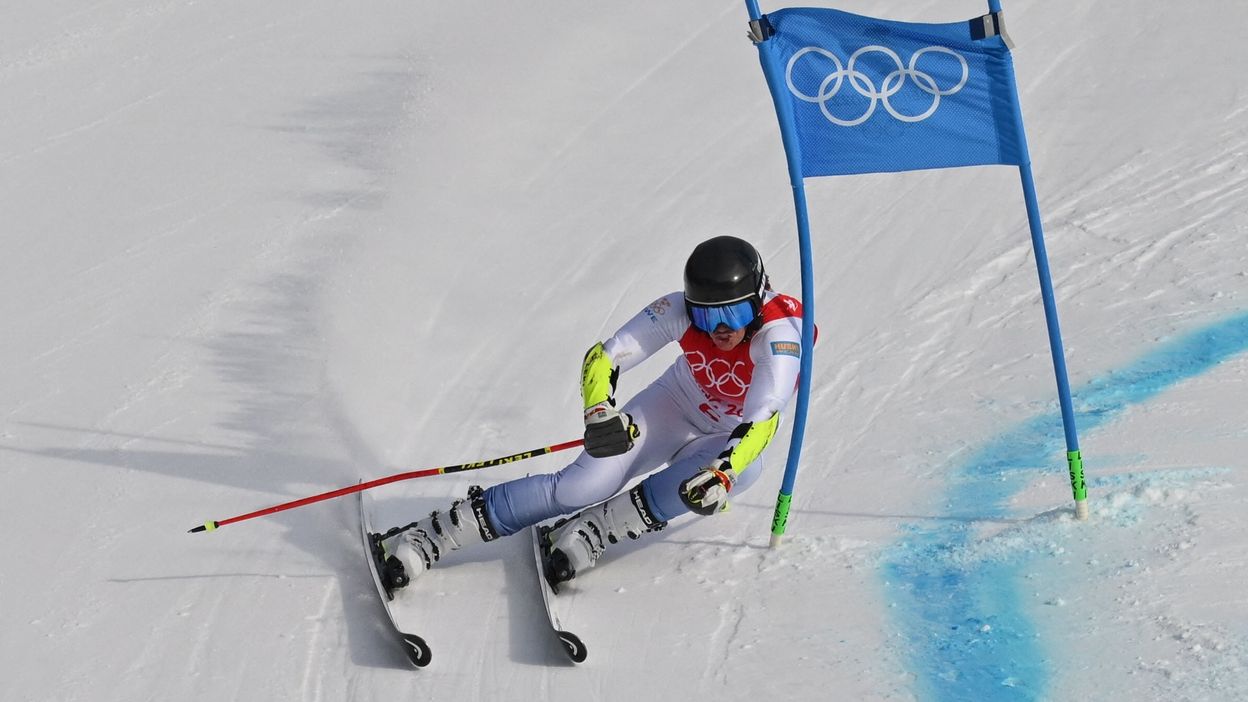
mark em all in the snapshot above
pixel 863 85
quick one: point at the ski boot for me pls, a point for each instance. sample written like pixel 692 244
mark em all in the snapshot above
pixel 413 549
pixel 576 543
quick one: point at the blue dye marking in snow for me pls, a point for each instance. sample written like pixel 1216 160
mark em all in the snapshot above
pixel 968 634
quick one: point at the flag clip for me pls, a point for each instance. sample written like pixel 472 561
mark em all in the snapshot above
pixel 991 25
pixel 760 30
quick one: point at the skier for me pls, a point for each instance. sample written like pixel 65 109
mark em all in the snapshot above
pixel 707 418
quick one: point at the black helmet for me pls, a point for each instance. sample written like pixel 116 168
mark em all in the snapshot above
pixel 724 269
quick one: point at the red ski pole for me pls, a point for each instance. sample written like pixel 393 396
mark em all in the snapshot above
pixel 532 453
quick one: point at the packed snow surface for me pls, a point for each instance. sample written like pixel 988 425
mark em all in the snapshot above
pixel 255 251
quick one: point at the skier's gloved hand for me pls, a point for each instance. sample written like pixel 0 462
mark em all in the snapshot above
pixel 707 492
pixel 608 432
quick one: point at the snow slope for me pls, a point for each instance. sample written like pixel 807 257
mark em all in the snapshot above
pixel 254 251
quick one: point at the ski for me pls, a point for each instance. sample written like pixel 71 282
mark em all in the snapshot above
pixel 414 647
pixel 572 644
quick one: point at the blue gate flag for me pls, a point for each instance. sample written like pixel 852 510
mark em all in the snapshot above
pixel 869 95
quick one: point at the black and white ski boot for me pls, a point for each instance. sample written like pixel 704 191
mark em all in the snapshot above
pixel 413 549
pixel 576 543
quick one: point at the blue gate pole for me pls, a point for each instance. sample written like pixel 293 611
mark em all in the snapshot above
pixel 792 151
pixel 1074 458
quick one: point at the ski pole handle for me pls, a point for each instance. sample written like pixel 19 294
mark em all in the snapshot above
pixel 532 453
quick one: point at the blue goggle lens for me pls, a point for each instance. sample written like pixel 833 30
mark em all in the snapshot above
pixel 735 315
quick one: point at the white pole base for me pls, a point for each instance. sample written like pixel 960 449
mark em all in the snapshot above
pixel 1081 510
pixel 775 540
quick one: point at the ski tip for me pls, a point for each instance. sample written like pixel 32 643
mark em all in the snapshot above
pixel 573 647
pixel 206 526
pixel 417 650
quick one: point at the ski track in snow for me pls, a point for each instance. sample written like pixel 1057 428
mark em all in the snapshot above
pixel 958 596
pixel 316 652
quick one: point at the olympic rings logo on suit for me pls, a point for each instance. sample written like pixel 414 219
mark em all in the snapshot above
pixel 718 375
pixel 863 85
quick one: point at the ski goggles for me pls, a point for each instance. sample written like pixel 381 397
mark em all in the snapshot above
pixel 734 315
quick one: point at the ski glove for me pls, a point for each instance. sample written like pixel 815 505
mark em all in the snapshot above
pixel 607 431
pixel 707 492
